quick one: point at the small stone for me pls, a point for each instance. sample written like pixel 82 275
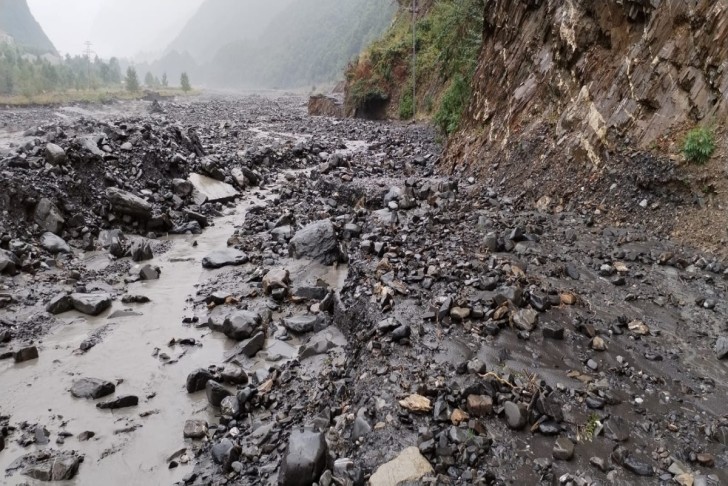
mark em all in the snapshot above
pixel 515 415
pixel 407 468
pixel 525 319
pixel 460 313
pixel 416 403
pixel 563 449
pixel 480 405
pixel 458 416
pixel 92 388
pixel 598 344
pixel 215 393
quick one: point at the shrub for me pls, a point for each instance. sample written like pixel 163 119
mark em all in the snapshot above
pixel 452 105
pixel 406 105
pixel 699 145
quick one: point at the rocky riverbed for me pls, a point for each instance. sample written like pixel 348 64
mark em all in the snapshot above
pixel 228 291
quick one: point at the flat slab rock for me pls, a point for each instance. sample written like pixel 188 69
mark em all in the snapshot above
pixel 224 258
pixel 52 466
pixel 207 189
pixel 91 304
pixel 92 388
pixel 409 466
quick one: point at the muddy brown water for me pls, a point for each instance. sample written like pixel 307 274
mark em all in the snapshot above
pixel 133 445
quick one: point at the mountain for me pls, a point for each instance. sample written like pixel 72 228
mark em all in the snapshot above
pixel 309 42
pixel 18 22
pixel 220 22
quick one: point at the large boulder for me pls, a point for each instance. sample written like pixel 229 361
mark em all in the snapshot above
pixel 54 244
pixel 124 202
pixel 54 154
pixel 224 258
pixel 207 189
pixel 91 304
pixel 305 459
pixel 48 216
pixel 316 241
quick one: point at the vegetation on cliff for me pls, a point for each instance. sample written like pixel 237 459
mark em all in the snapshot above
pixel 448 39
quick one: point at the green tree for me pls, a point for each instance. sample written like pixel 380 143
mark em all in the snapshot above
pixel 185 83
pixel 131 81
pixel 149 79
pixel 165 81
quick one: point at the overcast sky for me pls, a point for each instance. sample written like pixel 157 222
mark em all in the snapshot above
pixel 122 28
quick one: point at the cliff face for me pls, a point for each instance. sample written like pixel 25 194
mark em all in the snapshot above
pixel 18 22
pixel 607 71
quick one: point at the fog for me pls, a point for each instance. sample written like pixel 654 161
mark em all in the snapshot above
pixel 122 28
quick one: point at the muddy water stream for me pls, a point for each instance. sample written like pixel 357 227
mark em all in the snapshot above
pixel 133 445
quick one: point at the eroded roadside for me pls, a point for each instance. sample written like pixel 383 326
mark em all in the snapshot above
pixel 366 305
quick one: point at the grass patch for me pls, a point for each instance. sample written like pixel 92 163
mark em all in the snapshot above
pixel 83 96
pixel 699 145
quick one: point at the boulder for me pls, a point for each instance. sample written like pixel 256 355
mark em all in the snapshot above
pixel 141 250
pixel 409 467
pixel 9 263
pixel 91 304
pixel 305 459
pixel 54 154
pixel 195 429
pixel 59 304
pixel 275 279
pixel 207 189
pixel 241 325
pixel 124 202
pixel 25 354
pixel 224 258
pixel 52 465
pixel 197 380
pixel 92 388
pixel 316 241
pixel 301 324
pixel 54 244
pixel 48 216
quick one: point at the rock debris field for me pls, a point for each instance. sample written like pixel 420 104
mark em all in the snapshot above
pixel 228 291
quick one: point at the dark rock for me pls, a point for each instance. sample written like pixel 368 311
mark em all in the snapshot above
pixel 120 402
pixel 301 324
pixel 242 325
pixel 59 304
pixel 617 429
pixel 91 304
pixel 195 429
pixel 52 465
pixel 316 241
pixel 225 453
pixel 563 449
pixel 234 374
pixel 250 347
pixel 9 263
pixel 92 388
pixel 215 393
pixel 48 216
pixel 141 250
pixel 224 258
pixel 25 354
pixel 197 380
pixel 124 202
pixel 304 460
pixel 148 272
pixel 54 154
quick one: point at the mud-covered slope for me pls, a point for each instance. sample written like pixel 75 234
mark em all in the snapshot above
pixel 18 22
pixel 585 104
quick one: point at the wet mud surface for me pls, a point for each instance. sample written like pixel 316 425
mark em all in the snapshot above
pixel 349 303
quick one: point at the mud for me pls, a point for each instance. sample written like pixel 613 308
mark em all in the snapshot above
pixel 430 293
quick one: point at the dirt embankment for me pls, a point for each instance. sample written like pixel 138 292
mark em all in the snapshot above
pixel 603 92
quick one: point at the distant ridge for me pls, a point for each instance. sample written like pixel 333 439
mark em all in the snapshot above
pixel 17 21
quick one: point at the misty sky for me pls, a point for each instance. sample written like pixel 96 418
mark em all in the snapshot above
pixel 122 28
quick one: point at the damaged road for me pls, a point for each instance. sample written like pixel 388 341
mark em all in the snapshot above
pixel 233 292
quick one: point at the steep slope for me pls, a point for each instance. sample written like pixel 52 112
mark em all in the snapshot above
pixel 309 42
pixel 17 21
pixel 220 22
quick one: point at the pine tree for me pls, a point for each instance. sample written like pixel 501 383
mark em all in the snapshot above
pixel 131 81
pixel 149 80
pixel 165 82
pixel 185 83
